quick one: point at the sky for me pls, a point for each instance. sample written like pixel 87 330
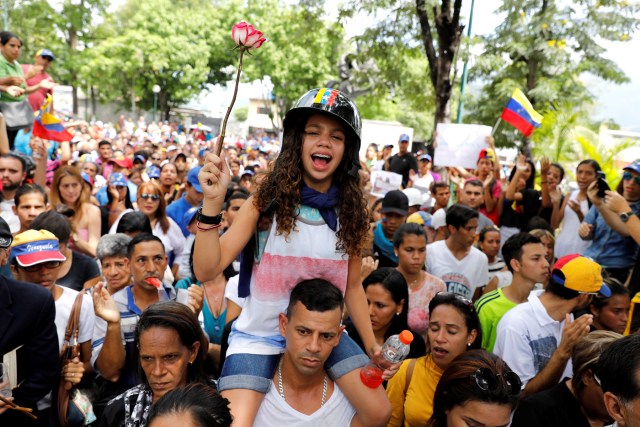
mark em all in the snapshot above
pixel 619 102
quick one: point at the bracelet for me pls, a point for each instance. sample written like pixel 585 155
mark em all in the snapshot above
pixel 210 227
pixel 209 220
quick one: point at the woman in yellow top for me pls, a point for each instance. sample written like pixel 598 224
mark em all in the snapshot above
pixel 454 328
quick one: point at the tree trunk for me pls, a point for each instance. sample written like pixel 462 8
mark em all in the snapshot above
pixel 72 42
pixel 449 31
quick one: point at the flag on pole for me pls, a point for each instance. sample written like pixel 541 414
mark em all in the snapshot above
pixel 48 126
pixel 520 114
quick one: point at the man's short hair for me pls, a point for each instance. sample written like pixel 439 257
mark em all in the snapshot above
pixel 459 215
pixel 513 247
pixel 28 189
pixel 316 295
pixel 438 184
pixel 619 368
pixel 104 142
pixel 142 238
pixel 113 245
pixel 472 182
pixel 18 157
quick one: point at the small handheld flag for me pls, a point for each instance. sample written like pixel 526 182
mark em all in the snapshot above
pixel 520 114
pixel 48 126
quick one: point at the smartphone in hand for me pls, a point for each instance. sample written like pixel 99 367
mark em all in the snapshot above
pixel 602 184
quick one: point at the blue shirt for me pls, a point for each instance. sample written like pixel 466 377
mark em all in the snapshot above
pixel 176 211
pixel 103 198
pixel 610 249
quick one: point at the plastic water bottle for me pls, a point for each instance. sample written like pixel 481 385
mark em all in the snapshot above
pixel 394 350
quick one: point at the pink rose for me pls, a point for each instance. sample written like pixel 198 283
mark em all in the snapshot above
pixel 246 36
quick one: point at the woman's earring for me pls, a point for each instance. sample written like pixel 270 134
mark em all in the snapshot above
pixel 398 313
pixel 468 344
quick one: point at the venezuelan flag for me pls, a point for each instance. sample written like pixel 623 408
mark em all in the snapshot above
pixel 48 126
pixel 520 114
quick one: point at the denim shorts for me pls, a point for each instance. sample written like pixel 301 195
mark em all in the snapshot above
pixel 255 371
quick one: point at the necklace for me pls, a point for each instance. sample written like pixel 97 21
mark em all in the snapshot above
pixel 281 389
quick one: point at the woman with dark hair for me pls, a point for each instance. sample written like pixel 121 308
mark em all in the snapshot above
pixel 521 200
pixel 78 271
pixel 410 245
pixel 454 328
pixel 489 244
pixel 387 296
pixel 551 176
pixel 172 349
pixel 169 182
pixel 477 389
pixel 572 211
pixel 133 223
pixel 612 313
pixel 195 405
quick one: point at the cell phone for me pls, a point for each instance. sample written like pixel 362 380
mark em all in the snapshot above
pixel 602 184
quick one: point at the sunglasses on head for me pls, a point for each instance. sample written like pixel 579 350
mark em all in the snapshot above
pixel 49 265
pixel 448 296
pixel 154 197
pixel 486 380
pixel 627 176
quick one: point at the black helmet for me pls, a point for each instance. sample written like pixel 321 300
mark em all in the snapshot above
pixel 338 105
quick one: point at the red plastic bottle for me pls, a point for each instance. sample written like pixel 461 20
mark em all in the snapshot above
pixel 394 350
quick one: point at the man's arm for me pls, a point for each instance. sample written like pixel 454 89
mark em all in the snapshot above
pixel 551 374
pixel 109 355
pixel 39 356
pixel 611 218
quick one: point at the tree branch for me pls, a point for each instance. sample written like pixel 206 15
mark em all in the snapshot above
pixel 427 40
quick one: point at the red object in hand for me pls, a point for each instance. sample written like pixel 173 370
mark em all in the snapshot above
pixel 153 281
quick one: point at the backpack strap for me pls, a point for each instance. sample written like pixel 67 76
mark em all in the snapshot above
pixel 407 381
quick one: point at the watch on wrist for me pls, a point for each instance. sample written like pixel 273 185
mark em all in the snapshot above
pixel 624 216
pixel 209 220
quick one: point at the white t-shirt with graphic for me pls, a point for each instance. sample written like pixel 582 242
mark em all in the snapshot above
pixel 461 276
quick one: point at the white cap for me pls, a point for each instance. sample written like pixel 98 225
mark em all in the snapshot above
pixel 415 196
pixel 439 219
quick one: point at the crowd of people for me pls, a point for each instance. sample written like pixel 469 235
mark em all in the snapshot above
pixel 146 279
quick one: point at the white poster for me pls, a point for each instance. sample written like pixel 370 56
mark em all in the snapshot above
pixel 459 145
pixel 383 182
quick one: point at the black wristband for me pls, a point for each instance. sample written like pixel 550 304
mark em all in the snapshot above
pixel 209 220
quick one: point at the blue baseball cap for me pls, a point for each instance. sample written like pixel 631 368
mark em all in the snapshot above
pixel 139 158
pixel 635 166
pixel 189 215
pixel 404 137
pixel 153 172
pixel 192 178
pixel 87 178
pixel 425 157
pixel 118 179
pixel 46 53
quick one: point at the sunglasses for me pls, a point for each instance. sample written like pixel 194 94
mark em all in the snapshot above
pixel 486 380
pixel 154 197
pixel 50 265
pixel 627 176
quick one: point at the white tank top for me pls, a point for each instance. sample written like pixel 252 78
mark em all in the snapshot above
pixel 569 241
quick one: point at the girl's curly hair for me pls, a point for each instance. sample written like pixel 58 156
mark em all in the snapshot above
pixel 279 192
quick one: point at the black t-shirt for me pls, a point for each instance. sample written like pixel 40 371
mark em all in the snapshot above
pixel 83 268
pixel 526 209
pixel 402 165
pixel 556 407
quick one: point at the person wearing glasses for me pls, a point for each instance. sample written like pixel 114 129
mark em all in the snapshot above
pixel 151 202
pixel 576 401
pixel 155 159
pixel 454 328
pixel 612 245
pixel 36 258
pixel 477 389
pixel 536 338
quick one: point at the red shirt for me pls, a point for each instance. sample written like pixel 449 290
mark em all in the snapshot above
pixel 37 98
